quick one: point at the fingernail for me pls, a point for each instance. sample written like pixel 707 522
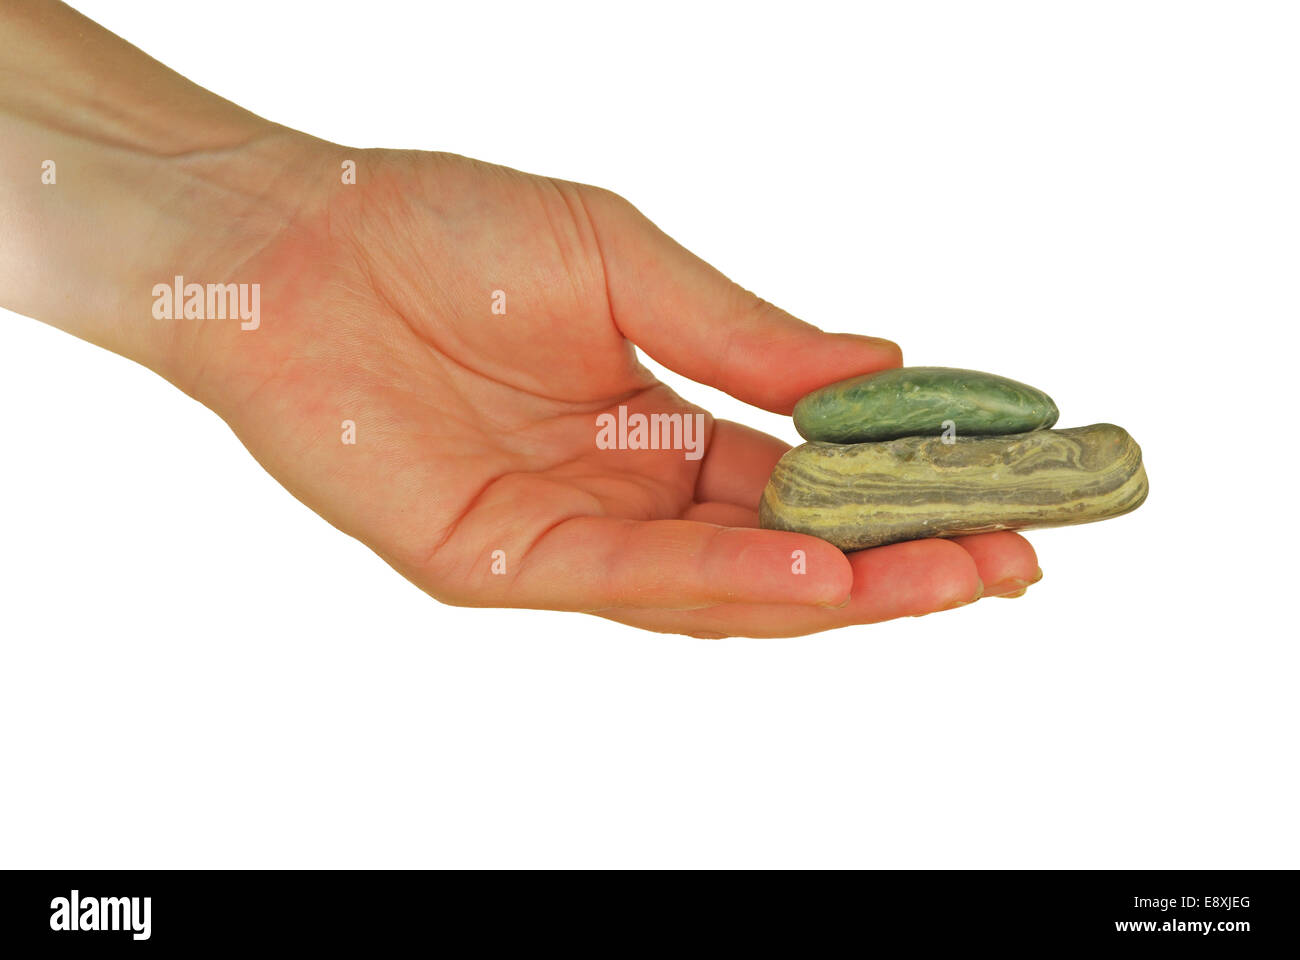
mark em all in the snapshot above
pixel 1015 587
pixel 1010 587
pixel 1011 596
pixel 881 343
pixel 965 603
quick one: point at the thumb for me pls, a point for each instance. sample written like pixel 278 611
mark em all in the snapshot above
pixel 692 319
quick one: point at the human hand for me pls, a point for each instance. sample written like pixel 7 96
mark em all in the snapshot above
pixel 475 470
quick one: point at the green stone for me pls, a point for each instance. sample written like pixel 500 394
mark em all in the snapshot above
pixel 921 402
pixel 860 495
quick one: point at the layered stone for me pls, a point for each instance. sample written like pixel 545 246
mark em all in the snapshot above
pixel 863 495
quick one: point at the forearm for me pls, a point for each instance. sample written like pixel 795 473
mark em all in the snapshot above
pixel 117 174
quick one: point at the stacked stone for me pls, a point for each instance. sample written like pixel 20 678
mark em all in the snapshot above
pixel 939 452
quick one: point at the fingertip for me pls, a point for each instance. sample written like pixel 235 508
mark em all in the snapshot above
pixel 814 359
pixel 1006 561
pixel 954 574
pixel 913 579
pixel 887 353
pixel 796 568
pixel 836 574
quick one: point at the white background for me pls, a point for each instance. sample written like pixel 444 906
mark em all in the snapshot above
pixel 1098 198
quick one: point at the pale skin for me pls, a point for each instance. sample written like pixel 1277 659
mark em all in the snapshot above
pixel 475 432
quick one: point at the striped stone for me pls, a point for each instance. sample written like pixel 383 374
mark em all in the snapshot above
pixel 867 494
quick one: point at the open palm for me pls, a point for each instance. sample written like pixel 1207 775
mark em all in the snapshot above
pixel 475 470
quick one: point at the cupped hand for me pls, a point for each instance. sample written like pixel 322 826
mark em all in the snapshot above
pixel 475 469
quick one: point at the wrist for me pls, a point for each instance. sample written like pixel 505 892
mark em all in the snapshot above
pixel 220 254
pixel 119 175
pixel 96 228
